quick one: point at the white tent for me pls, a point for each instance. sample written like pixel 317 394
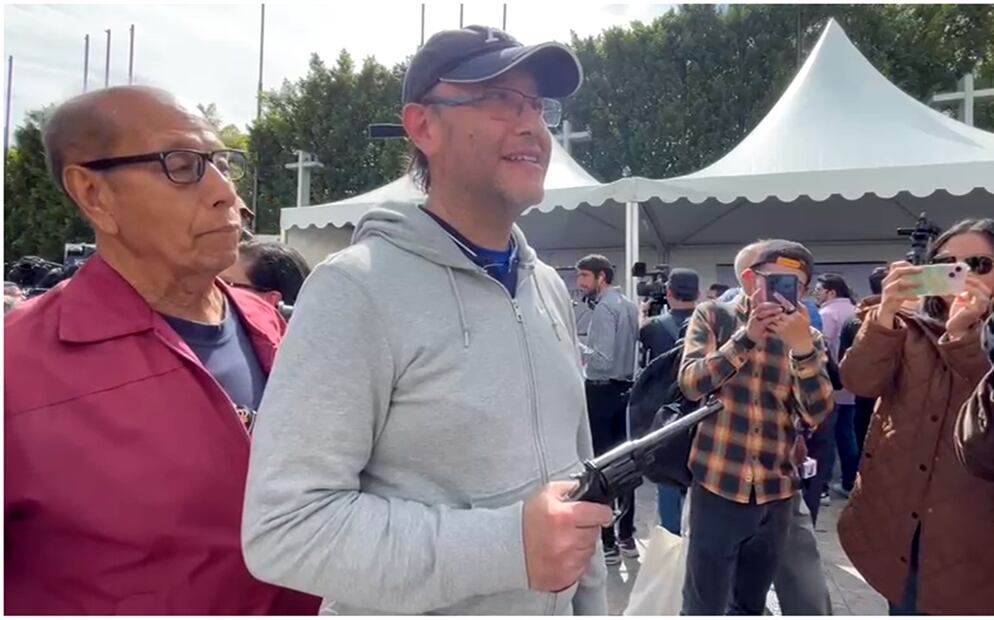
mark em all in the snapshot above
pixel 841 160
pixel 843 157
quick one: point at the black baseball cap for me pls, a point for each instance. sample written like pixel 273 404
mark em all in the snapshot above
pixel 477 54
pixel 684 284
pixel 786 254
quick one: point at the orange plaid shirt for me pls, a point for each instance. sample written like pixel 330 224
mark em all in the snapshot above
pixel 746 448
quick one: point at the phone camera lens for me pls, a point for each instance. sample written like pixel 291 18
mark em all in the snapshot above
pixel 953 275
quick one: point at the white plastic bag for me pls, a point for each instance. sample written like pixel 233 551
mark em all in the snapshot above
pixel 658 588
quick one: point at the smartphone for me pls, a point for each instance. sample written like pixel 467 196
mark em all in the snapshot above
pixel 941 280
pixel 784 283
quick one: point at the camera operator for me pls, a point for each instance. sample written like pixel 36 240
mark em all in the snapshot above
pixel 660 333
pixel 918 525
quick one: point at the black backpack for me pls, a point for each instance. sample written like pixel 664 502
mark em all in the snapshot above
pixel 656 400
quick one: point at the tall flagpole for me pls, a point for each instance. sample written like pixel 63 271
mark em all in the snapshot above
pixel 422 25
pixel 107 62
pixel 131 57
pixel 6 118
pixel 503 25
pixel 86 62
pixel 460 14
pixel 258 115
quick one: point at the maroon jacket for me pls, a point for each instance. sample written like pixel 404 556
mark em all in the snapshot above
pixel 124 460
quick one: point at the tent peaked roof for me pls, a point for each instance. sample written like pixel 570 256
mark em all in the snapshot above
pixel 841 115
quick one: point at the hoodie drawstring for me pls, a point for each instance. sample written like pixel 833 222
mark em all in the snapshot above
pixel 462 311
pixel 545 306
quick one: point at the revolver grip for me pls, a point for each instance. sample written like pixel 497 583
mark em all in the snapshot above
pixel 592 486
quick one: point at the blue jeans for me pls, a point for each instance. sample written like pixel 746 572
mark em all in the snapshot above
pixel 909 606
pixel 669 499
pixel 845 438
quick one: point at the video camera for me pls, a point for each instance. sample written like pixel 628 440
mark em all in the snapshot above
pixel 652 285
pixel 77 253
pixel 35 275
pixel 922 236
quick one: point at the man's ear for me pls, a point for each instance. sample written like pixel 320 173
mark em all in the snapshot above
pixel 421 131
pixel 89 191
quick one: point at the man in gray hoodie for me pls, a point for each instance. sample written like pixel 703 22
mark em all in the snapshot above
pixel 418 462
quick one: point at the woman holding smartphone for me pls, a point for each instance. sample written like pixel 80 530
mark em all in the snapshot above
pixel 919 527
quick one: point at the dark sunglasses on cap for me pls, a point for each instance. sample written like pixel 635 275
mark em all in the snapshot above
pixel 980 265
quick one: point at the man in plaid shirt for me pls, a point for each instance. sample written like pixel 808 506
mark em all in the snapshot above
pixel 768 366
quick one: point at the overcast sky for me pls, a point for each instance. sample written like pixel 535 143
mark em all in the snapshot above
pixel 210 53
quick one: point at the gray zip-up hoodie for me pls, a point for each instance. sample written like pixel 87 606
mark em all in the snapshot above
pixel 413 407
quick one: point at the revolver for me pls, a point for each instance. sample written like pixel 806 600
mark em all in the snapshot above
pixel 619 471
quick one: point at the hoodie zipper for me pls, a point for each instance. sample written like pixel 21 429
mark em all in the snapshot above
pixel 530 368
pixel 552 598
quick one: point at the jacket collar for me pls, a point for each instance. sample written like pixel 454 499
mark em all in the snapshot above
pixel 99 304
pixel 610 291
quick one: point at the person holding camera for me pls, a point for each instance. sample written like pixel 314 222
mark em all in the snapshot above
pixel 130 388
pixel 426 410
pixel 769 373
pixel 658 335
pixel 918 526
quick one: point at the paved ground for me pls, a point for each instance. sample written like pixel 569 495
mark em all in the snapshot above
pixel 850 594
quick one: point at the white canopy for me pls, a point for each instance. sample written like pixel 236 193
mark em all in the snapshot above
pixel 844 155
pixel 566 185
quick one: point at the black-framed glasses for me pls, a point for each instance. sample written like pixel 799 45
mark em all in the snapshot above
pixel 505 104
pixel 182 166
pixel 980 265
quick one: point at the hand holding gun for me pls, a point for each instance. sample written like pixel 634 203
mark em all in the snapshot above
pixel 619 471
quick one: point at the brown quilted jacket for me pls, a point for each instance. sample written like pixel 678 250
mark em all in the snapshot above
pixel 909 473
pixel 974 432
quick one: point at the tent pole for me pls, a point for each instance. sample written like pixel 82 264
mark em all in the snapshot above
pixel 631 245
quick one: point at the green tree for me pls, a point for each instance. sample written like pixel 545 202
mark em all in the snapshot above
pixel 230 134
pixel 39 219
pixel 326 113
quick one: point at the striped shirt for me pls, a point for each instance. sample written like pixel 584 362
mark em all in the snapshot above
pixel 747 447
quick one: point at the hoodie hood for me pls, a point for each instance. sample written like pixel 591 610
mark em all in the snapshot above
pixel 409 228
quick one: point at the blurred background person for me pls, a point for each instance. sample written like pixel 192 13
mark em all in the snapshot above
pixel 273 269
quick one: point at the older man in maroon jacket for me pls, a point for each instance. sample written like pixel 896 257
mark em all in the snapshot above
pixel 130 390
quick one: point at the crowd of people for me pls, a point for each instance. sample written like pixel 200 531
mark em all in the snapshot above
pixel 902 411
pixel 406 444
